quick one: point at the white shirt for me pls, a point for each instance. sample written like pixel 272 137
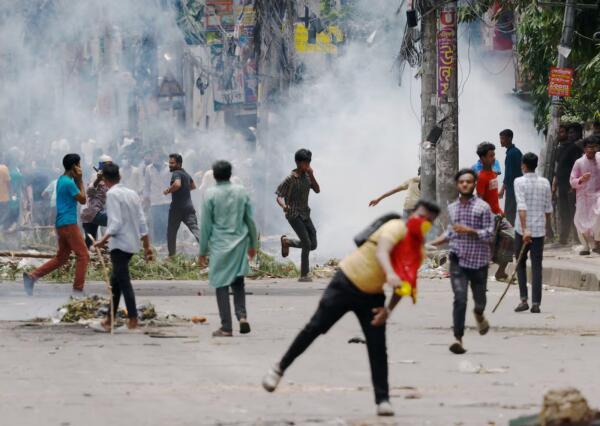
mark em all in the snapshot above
pixel 126 220
pixel 155 182
pixel 131 177
pixel 533 195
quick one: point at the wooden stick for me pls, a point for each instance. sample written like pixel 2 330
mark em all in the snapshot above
pixel 107 281
pixel 25 254
pixel 512 277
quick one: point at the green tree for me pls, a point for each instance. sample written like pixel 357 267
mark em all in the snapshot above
pixel 539 32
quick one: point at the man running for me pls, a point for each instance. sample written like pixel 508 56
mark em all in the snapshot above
pixel 126 227
pixel 358 287
pixel 470 231
pixel 182 209
pixel 292 196
pixel 69 192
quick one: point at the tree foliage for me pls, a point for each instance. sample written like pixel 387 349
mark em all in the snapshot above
pixel 539 31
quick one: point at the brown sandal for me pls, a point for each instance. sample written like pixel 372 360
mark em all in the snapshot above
pixel 285 246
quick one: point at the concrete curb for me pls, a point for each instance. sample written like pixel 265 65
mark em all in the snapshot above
pixel 577 278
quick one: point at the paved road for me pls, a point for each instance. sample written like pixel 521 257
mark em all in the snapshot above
pixel 70 375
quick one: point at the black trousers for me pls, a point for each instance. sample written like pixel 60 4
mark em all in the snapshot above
pixel 460 278
pixel 342 296
pixel 176 216
pixel 566 212
pixel 121 282
pixel 536 251
pixel 239 303
pixel 510 206
pixel 92 228
pixel 307 240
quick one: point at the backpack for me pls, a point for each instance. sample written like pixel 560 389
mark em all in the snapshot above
pixel 364 235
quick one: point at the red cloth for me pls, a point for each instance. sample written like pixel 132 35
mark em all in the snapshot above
pixel 487 189
pixel 69 239
pixel 407 256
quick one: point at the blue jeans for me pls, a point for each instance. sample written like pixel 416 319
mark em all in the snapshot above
pixel 460 278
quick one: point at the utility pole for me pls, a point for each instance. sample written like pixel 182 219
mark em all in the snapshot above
pixel 447 91
pixel 274 47
pixel 566 43
pixel 428 100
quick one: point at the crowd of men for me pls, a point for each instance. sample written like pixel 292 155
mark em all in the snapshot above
pixel 120 199
pixel 28 192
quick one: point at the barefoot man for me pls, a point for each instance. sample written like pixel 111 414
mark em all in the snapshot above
pixel 126 227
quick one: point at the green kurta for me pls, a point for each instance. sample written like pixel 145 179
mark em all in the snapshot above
pixel 227 231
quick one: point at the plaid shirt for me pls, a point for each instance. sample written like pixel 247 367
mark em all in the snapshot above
pixel 473 251
pixel 295 189
pixel 534 196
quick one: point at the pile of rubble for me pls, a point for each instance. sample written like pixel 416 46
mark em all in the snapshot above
pixel 87 309
pixel 562 407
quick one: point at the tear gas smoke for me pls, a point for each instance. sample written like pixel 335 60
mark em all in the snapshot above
pixel 363 129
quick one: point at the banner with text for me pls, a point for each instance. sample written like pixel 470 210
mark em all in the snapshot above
pixel 560 81
pixel 446 48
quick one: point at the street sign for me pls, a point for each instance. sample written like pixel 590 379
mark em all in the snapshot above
pixel 560 81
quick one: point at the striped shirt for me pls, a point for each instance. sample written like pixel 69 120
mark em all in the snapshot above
pixel 295 190
pixel 473 251
pixel 533 195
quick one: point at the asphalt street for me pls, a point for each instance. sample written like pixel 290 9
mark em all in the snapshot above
pixel 179 375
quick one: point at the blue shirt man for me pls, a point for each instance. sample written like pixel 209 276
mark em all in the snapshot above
pixel 66 204
pixel 512 170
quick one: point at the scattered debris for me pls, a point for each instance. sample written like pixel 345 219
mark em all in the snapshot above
pixel 327 270
pixel 84 311
pixel 265 266
pixel 147 312
pixel 565 406
pixel 357 340
pixel 179 267
pixel 405 361
pixel 414 395
pixel 468 367
pixel 198 320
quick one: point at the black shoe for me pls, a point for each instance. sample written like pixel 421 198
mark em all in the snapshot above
pixel 584 253
pixel 523 306
pixel 457 348
pixel 482 324
pixel 535 309
pixel 244 327
pixel 596 250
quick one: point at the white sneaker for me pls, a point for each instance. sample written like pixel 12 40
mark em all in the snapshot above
pixel 384 408
pixel 271 379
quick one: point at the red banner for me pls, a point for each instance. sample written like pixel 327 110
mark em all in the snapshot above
pixel 560 81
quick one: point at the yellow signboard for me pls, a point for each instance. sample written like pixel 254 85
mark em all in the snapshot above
pixel 326 41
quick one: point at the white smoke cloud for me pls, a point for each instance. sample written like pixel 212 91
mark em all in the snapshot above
pixel 364 130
